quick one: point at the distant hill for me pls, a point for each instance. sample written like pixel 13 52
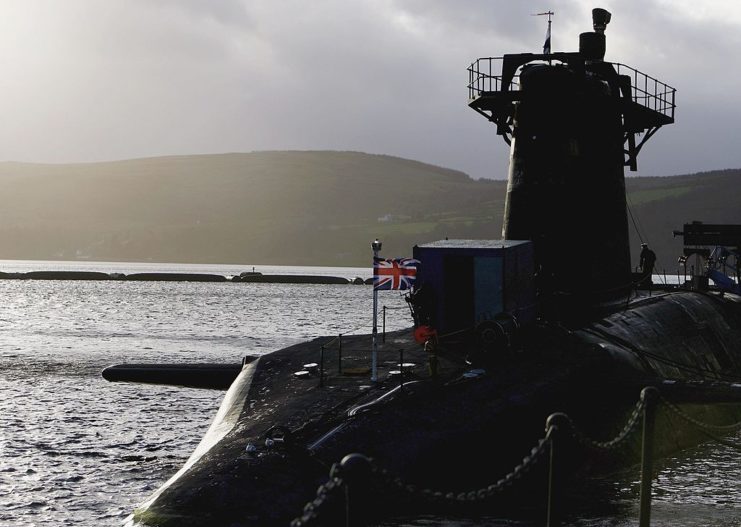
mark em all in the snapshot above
pixel 660 205
pixel 292 208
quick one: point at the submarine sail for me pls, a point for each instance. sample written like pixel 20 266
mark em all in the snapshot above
pixel 571 120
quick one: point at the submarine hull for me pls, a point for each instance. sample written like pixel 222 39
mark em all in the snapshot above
pixel 276 435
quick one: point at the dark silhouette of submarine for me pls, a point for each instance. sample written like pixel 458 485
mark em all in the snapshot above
pixel 548 319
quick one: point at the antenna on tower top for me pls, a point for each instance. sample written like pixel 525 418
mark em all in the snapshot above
pixel 547 43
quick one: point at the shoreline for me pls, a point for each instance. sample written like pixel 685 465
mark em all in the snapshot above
pixel 246 277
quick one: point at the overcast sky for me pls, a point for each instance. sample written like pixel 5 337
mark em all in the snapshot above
pixel 97 80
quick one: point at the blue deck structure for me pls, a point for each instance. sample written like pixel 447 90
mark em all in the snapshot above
pixel 476 280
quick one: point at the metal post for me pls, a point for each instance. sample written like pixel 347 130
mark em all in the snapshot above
pixel 551 483
pixel 401 367
pixel 356 475
pixel 649 397
pixel 374 352
pixel 431 358
pixel 339 353
pixel 384 325
pixel 321 366
pixel 552 431
pixel 376 246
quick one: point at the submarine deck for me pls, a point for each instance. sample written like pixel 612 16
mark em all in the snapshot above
pixel 277 434
pixel 287 429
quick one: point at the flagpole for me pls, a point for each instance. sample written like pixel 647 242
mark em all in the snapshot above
pixel 547 45
pixel 550 14
pixel 376 246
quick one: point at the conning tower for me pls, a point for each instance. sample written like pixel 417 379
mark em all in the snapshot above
pixel 573 121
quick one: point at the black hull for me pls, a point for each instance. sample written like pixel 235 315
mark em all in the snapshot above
pixel 455 433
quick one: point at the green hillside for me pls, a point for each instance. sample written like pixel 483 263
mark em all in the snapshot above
pixel 292 208
pixel 662 205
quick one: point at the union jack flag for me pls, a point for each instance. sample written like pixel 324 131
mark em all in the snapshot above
pixel 394 273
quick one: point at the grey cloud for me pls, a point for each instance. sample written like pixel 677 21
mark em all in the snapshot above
pixel 118 79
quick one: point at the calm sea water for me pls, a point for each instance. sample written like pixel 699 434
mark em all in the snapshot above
pixel 77 450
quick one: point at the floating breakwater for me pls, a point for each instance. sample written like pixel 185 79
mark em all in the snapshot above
pixel 289 279
pixel 249 277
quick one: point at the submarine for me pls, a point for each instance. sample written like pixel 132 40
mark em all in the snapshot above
pixel 502 334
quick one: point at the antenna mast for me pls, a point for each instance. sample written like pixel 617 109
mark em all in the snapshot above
pixel 547 43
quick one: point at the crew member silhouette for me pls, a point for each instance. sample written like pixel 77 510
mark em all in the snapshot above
pixel 648 259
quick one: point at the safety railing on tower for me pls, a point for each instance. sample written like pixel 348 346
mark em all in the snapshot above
pixel 648 91
pixel 484 76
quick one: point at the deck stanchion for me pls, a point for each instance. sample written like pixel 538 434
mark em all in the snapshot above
pixel 553 430
pixel 321 366
pixel 339 353
pixel 549 520
pixel 383 335
pixel 401 367
pixel 356 475
pixel 650 399
pixel 376 246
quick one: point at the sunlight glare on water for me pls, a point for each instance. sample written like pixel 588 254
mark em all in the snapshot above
pixel 77 450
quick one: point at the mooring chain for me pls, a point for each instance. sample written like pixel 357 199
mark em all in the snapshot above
pixel 705 428
pixel 716 428
pixel 630 426
pixel 337 484
pixel 326 492
pixel 481 494
pixel 359 468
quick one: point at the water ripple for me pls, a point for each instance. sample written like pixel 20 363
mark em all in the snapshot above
pixel 77 450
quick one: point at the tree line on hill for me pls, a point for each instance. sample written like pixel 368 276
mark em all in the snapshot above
pixel 297 208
